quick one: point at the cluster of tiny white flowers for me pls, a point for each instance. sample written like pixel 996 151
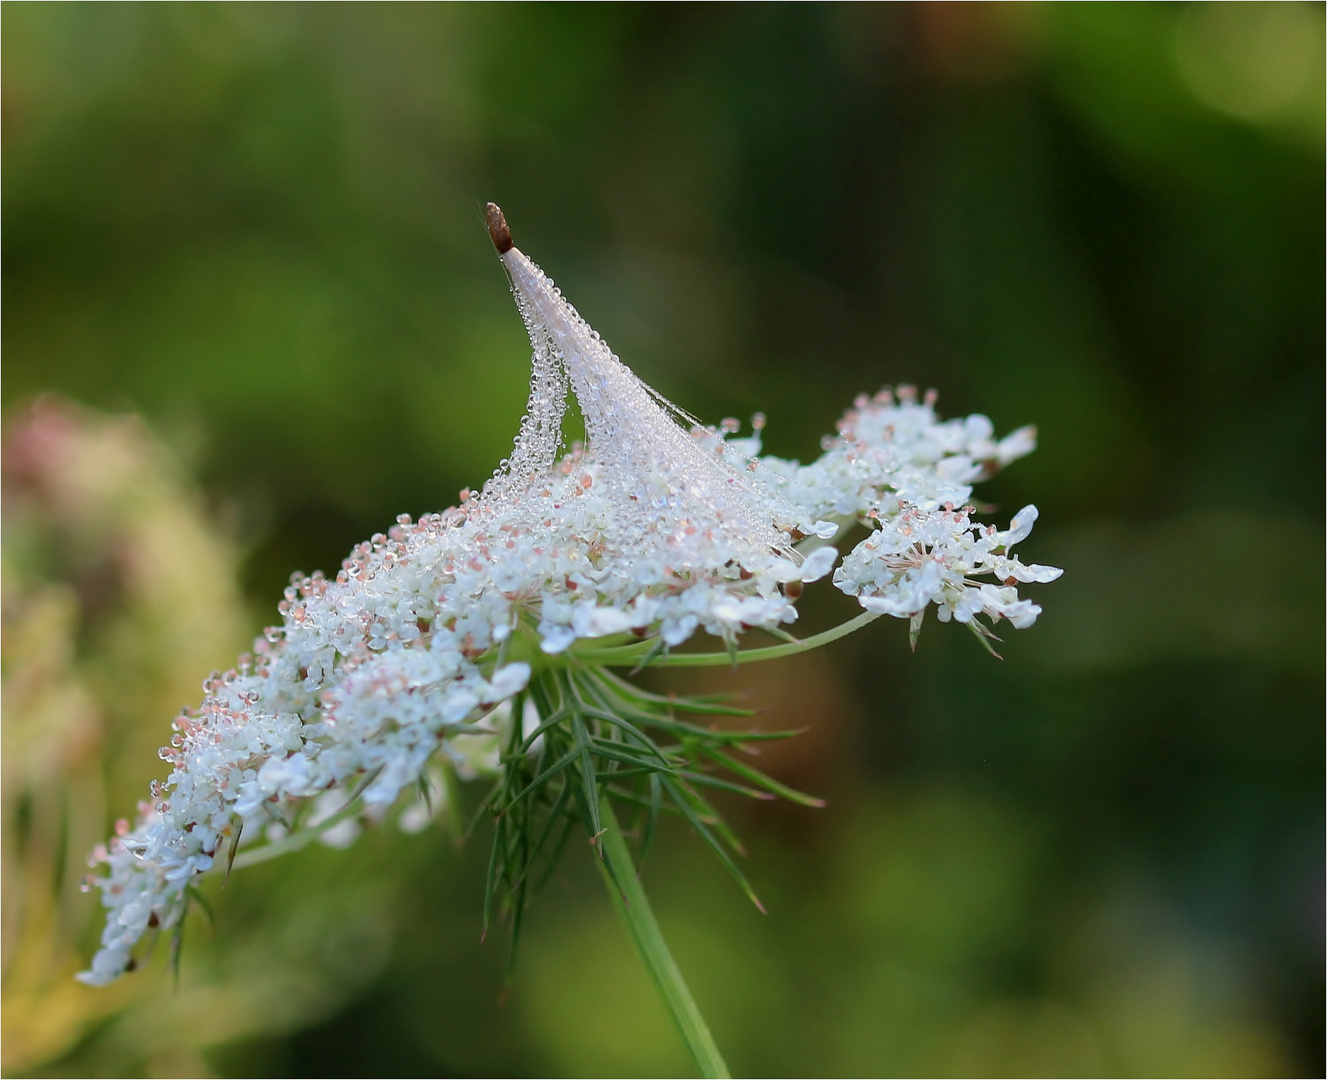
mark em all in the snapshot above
pixel 652 529
pixel 898 468
pixel 919 557
pixel 892 451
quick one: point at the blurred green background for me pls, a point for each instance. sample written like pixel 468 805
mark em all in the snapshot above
pixel 258 228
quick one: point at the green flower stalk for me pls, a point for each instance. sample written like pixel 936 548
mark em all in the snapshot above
pixel 507 622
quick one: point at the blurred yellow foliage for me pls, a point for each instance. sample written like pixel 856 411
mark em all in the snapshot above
pixel 118 592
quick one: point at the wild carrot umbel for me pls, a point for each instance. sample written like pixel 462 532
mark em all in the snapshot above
pixel 487 639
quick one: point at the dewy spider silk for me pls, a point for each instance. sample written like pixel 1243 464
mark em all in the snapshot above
pixel 501 617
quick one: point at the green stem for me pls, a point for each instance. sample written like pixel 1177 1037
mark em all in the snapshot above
pixel 631 655
pixel 631 904
pixel 305 836
pixel 296 840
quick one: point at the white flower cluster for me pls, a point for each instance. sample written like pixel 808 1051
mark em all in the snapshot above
pixel 898 467
pixel 892 450
pixel 654 528
pixel 921 557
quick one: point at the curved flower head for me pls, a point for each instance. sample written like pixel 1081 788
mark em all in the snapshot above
pixel 657 528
